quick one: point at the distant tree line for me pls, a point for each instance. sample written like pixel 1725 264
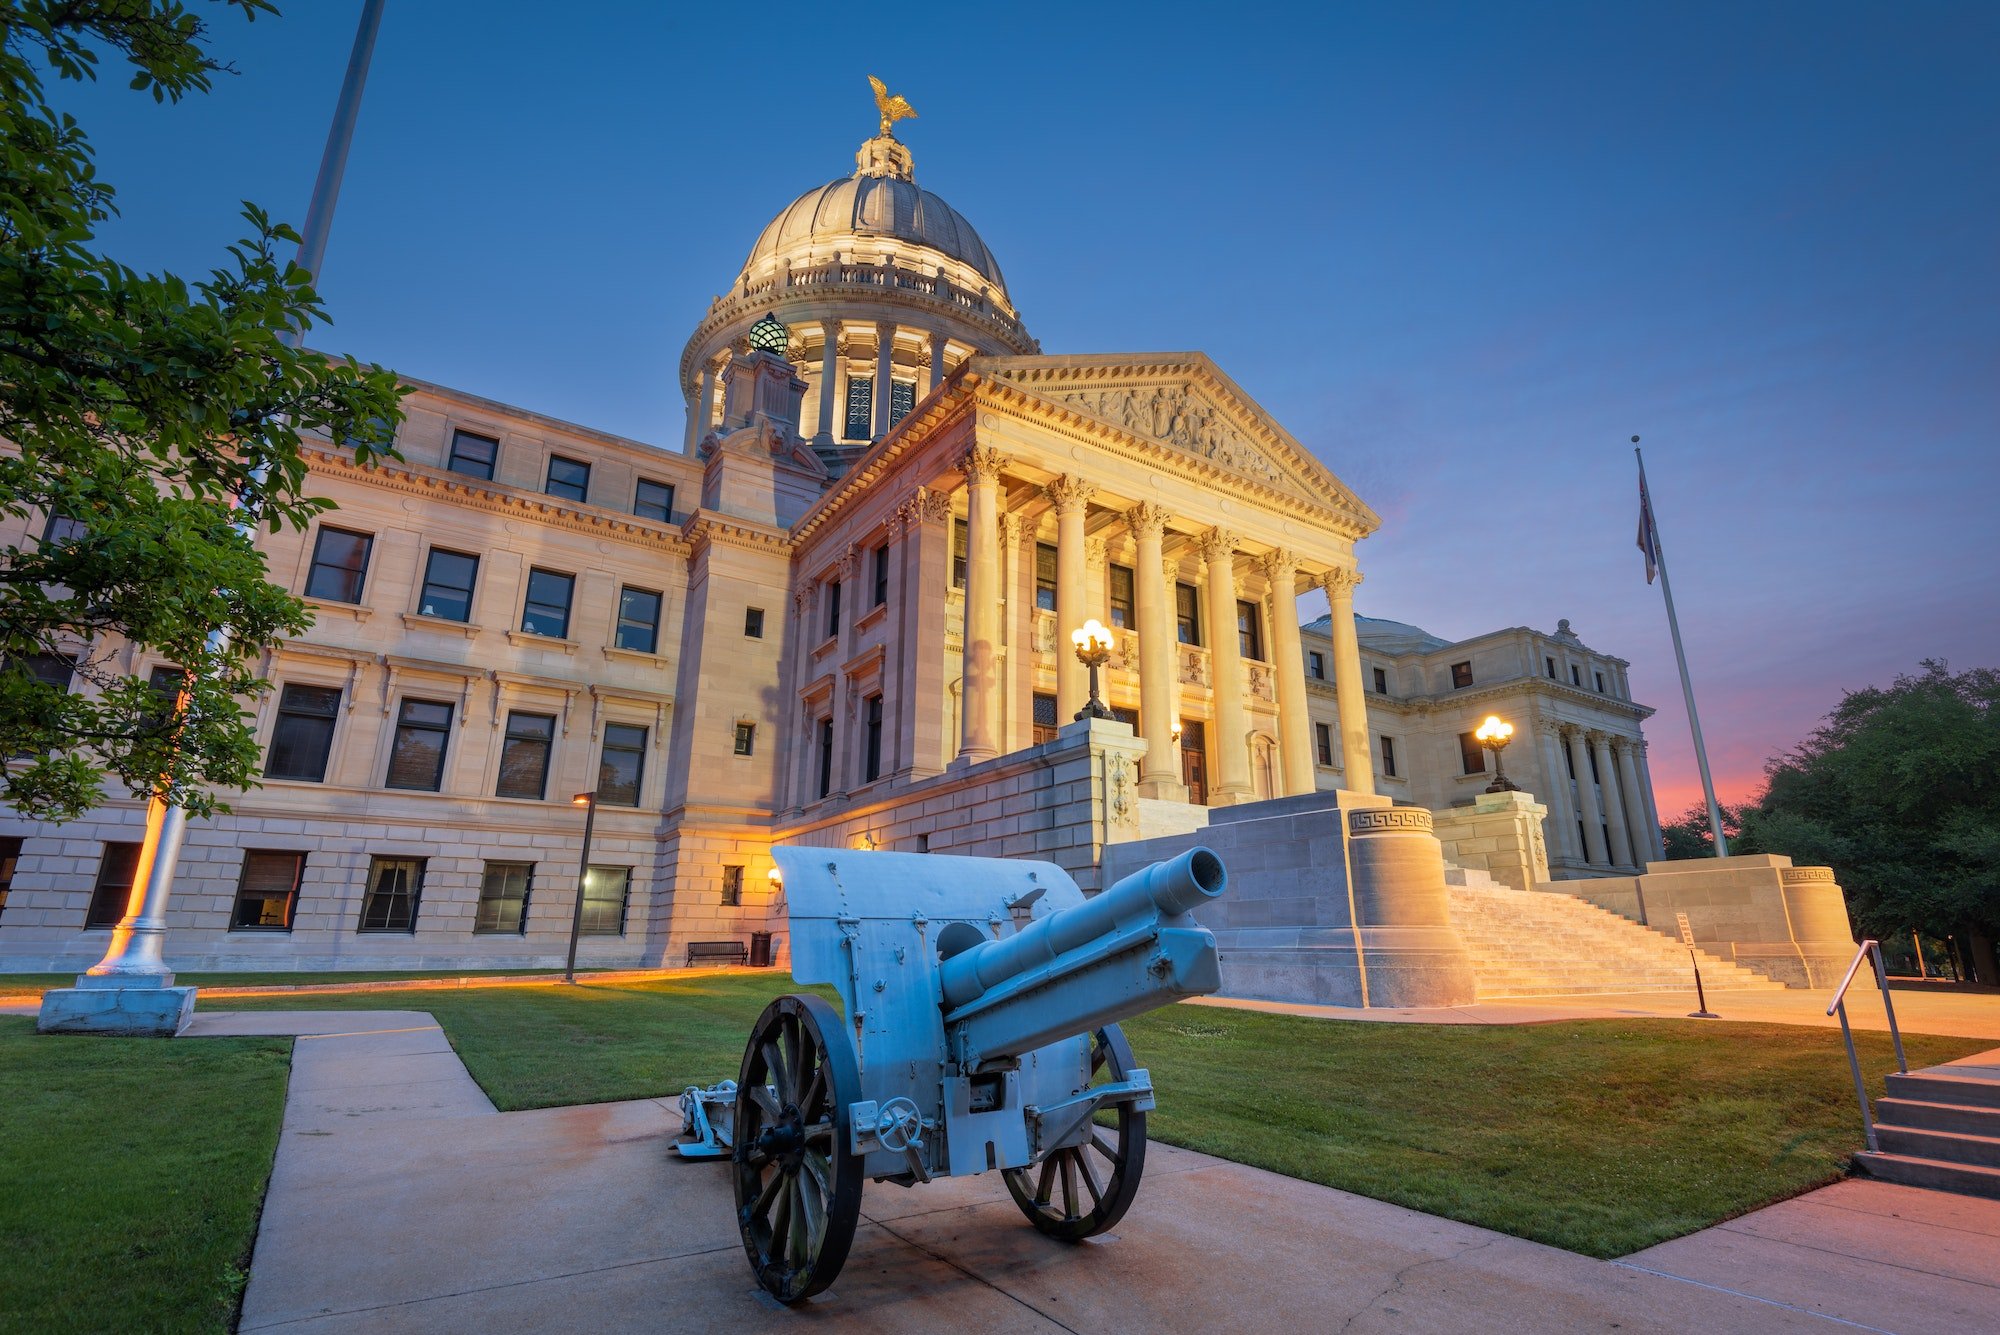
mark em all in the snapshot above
pixel 1898 790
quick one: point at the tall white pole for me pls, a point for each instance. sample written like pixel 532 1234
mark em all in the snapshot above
pixel 1680 656
pixel 135 955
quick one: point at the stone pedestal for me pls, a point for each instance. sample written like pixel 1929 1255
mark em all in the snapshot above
pixel 117 1008
pixel 1499 834
pixel 1402 919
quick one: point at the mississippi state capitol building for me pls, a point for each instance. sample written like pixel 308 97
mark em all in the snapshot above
pixel 839 613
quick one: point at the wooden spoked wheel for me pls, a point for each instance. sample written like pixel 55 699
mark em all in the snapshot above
pixel 798 1184
pixel 1080 1190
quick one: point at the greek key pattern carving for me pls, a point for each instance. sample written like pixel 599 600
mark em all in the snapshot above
pixel 1378 820
pixel 1068 493
pixel 1806 875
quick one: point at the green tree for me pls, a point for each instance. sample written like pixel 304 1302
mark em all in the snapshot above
pixel 1899 792
pixel 1689 836
pixel 136 410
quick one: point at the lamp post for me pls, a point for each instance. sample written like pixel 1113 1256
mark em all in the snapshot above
pixel 1494 734
pixel 588 801
pixel 1093 649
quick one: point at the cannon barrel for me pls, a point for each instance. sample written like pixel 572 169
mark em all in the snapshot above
pixel 1165 889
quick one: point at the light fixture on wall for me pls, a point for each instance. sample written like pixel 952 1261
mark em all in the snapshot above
pixel 1093 650
pixel 1494 734
pixel 1176 731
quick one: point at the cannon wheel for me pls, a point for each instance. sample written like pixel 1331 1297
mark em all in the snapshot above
pixel 798 1183
pixel 1102 1173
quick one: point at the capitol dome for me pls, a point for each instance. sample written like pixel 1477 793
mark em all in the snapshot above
pixel 840 213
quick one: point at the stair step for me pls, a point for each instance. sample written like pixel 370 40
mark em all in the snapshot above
pixel 1947 1117
pixel 1946 1146
pixel 1937 1174
pixel 1937 1087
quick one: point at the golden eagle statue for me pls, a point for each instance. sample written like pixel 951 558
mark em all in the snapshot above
pixel 893 108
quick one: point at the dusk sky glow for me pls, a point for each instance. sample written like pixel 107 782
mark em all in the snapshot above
pixel 1462 252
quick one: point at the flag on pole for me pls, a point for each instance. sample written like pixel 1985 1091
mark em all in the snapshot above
pixel 1649 534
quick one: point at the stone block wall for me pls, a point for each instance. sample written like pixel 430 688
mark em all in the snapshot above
pixel 1500 834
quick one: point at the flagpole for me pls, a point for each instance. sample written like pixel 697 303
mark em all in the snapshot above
pixel 1680 657
pixel 135 956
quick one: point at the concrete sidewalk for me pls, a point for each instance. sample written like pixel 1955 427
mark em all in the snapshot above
pixel 402 1202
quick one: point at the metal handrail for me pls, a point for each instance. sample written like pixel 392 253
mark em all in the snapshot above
pixel 1839 1006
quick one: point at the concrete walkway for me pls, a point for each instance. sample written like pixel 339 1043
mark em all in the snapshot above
pixel 401 1201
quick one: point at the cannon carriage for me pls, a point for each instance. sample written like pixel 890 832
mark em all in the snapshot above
pixel 977 1030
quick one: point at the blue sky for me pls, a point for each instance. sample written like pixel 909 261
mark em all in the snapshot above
pixel 1462 252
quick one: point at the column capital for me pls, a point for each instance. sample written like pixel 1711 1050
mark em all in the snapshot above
pixel 1341 581
pixel 1281 567
pixel 1219 544
pixel 1069 493
pixel 982 463
pixel 830 330
pixel 1147 520
pixel 925 506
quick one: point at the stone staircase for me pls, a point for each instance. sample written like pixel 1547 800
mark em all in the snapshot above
pixel 1537 943
pixel 1940 1128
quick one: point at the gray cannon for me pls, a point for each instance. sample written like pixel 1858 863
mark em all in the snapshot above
pixel 982 999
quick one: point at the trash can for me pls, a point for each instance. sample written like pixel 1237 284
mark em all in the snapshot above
pixel 760 950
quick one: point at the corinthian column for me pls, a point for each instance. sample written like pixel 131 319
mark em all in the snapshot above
pixel 1159 773
pixel 1614 802
pixel 979 739
pixel 829 380
pixel 1638 837
pixel 1231 746
pixel 1288 660
pixel 1594 851
pixel 1357 754
pixel 1071 498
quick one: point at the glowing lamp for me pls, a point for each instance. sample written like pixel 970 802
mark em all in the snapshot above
pixel 1093 650
pixel 1494 734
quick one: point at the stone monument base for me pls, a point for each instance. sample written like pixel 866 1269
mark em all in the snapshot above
pixel 120 1012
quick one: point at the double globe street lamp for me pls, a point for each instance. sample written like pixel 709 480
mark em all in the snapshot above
pixel 1494 734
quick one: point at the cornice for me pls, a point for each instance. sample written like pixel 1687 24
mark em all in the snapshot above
pixel 709 529
pixel 416 480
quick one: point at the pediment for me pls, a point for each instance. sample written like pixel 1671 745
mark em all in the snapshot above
pixel 1183 402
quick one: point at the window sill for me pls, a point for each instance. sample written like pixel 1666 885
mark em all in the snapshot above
pixel 871 616
pixel 354 610
pixel 529 639
pixel 618 655
pixel 826 646
pixel 260 931
pixel 443 625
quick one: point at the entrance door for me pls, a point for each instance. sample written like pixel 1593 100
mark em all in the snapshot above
pixel 1194 761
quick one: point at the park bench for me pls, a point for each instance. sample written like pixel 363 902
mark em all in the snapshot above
pixel 721 952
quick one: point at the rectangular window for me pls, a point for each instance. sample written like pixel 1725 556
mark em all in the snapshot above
pixel 1323 742
pixel 1461 676
pixel 61 530
pixel 389 903
pixel 303 737
pixel 639 620
pixel 872 759
pixel 825 756
pixel 653 500
pixel 416 758
pixel 1381 681
pixel 1045 577
pixel 621 767
pixel 1471 755
pixel 546 611
pixel 753 622
pixel 1187 614
pixel 1575 675
pixel 339 564
pixel 1315 665
pixel 55 670
pixel 860 407
pixel 881 574
pixel 1046 726
pixel 605 890
pixel 267 892
pixel 732 887
pixel 10 861
pixel 448 581
pixel 832 609
pixel 958 550
pixel 746 738
pixel 113 891
pixel 568 478
pixel 1550 664
pixel 503 899
pixel 1600 682
pixel 473 454
pixel 1389 756
pixel 902 398
pixel 524 756
pixel 1249 632
pixel 1121 598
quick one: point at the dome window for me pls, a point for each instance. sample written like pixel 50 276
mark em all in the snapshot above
pixel 768 335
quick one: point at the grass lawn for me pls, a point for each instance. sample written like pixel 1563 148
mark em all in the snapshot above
pixel 131 1174
pixel 11 983
pixel 1601 1136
